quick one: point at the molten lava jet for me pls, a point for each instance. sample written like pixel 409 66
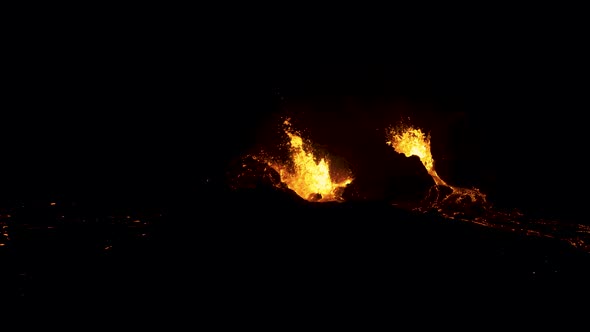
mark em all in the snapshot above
pixel 470 204
pixel 413 142
pixel 313 178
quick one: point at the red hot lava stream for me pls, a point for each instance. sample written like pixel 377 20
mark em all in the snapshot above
pixel 470 204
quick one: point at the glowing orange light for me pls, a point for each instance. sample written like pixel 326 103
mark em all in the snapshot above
pixel 412 141
pixel 311 177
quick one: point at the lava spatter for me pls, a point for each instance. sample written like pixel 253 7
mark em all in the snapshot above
pixel 313 177
pixel 470 204
pixel 412 141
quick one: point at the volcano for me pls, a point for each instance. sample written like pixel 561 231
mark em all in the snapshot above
pixel 312 178
pixel 321 195
pixel 345 211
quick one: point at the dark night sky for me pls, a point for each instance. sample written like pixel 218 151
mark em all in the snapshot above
pixel 140 109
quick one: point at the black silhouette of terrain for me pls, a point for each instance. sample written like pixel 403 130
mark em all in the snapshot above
pixel 138 161
pixel 235 248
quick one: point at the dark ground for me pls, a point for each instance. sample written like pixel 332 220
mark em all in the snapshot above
pixel 267 250
pixel 151 121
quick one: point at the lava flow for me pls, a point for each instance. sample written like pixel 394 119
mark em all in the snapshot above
pixel 470 204
pixel 311 177
pixel 413 142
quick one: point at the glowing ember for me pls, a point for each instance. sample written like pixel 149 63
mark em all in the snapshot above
pixel 312 178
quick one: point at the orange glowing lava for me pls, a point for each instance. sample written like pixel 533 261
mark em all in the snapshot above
pixel 470 204
pixel 311 177
pixel 412 141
